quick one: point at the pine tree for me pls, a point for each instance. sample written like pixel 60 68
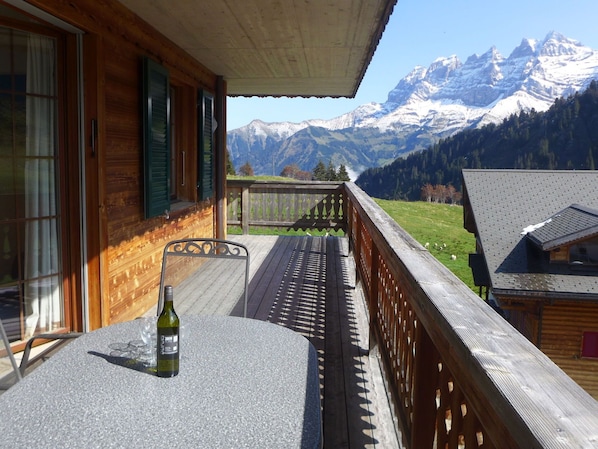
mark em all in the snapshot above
pixel 330 172
pixel 342 174
pixel 230 168
pixel 319 172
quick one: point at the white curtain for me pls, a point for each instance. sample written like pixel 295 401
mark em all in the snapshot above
pixel 43 297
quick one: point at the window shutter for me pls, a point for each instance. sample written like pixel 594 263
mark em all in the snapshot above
pixel 205 114
pixel 156 139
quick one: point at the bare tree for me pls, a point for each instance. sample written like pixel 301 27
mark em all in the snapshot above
pixel 427 191
pixel 246 169
pixel 439 193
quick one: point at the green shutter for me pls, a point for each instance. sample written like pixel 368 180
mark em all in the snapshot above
pixel 156 138
pixel 205 169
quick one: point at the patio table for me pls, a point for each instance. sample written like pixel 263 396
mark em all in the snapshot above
pixel 242 383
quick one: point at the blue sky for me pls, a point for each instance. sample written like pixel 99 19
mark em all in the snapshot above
pixel 420 31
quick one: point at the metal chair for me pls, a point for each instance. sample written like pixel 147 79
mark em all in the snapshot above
pixel 17 371
pixel 9 373
pixel 209 276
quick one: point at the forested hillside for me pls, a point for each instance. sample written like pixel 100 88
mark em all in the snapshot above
pixel 564 137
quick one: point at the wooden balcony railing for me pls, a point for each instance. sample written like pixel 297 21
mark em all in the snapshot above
pixel 460 375
pixel 296 205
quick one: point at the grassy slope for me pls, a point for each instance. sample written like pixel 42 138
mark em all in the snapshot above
pixel 438 225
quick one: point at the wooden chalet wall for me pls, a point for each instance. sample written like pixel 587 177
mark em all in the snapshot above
pixel 125 248
pixel 563 325
pixel 557 329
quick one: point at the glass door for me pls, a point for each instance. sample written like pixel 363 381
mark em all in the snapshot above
pixel 31 296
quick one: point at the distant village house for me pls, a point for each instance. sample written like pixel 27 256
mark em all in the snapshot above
pixel 537 259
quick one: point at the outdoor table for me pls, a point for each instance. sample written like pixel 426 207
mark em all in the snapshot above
pixel 243 383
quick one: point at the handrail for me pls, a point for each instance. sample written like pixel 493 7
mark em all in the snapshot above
pixel 460 375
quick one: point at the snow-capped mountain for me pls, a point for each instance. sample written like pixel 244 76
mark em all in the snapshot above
pixel 426 105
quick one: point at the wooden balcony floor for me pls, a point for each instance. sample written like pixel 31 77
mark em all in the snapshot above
pixel 308 285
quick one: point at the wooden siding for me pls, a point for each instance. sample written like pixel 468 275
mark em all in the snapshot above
pixel 135 264
pixel 560 254
pixel 126 263
pixel 523 316
pixel 563 325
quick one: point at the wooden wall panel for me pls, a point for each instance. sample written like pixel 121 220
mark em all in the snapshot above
pixel 135 264
pixel 563 325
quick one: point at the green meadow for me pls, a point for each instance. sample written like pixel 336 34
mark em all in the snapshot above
pixel 441 227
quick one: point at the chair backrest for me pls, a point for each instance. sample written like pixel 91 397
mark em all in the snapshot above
pixel 209 276
pixel 9 370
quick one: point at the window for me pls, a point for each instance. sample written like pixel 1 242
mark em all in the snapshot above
pixel 183 162
pixel 584 253
pixel 589 345
pixel 171 169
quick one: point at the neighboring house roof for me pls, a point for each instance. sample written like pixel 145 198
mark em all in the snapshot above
pixel 500 205
pixel 569 225
pixel 284 47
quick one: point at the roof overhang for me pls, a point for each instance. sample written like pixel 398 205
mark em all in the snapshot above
pixel 275 47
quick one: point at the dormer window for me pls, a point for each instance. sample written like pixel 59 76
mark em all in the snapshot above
pixel 570 236
pixel 584 252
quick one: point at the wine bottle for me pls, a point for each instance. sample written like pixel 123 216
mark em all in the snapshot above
pixel 168 337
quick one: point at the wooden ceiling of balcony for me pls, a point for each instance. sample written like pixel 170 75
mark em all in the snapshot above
pixel 275 47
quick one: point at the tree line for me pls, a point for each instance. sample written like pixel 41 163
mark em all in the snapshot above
pixel 564 137
pixel 321 172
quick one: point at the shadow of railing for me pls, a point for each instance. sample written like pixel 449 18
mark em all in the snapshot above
pixel 309 292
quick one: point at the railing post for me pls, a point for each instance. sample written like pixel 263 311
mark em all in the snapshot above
pixel 245 208
pixel 373 300
pixel 424 391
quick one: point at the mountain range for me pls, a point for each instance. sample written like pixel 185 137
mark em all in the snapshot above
pixel 428 104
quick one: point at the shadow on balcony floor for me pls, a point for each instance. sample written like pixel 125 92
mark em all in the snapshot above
pixel 308 284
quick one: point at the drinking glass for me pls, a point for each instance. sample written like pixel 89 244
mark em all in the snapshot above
pixel 148 335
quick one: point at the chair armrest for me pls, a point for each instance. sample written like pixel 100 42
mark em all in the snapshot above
pixel 29 345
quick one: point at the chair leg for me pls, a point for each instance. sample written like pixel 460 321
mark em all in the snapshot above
pixel 11 356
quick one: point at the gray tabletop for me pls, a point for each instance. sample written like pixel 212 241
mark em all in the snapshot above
pixel 242 384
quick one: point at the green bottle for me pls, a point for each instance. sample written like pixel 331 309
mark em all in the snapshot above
pixel 168 337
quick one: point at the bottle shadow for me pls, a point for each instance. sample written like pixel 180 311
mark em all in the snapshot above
pixel 126 362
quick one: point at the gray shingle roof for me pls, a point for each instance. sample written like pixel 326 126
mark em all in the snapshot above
pixel 506 202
